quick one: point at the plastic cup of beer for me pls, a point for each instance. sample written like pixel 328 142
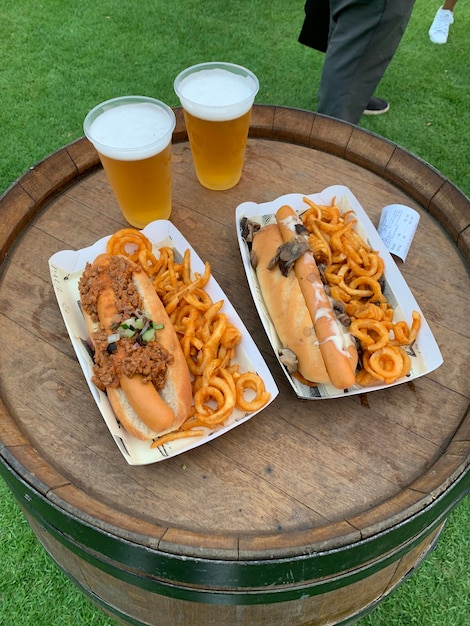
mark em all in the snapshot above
pixel 132 135
pixel 217 99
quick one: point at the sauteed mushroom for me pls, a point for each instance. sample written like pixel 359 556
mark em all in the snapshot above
pixel 288 253
pixel 289 359
pixel 248 229
pixel 343 317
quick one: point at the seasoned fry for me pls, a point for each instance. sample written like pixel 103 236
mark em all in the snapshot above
pixel 386 363
pixel 254 382
pixel 129 242
pixel 372 334
pixel 178 435
pixel 207 337
pixel 353 272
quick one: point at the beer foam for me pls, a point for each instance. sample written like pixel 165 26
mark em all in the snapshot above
pixel 217 94
pixel 131 131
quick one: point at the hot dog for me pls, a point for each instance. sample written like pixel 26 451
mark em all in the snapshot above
pixel 138 358
pixel 299 306
pixel 286 307
pixel 338 352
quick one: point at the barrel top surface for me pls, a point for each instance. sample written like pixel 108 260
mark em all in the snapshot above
pixel 299 476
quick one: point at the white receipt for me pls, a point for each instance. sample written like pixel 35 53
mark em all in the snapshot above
pixel 397 227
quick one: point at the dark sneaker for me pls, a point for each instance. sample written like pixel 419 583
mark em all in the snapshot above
pixel 376 106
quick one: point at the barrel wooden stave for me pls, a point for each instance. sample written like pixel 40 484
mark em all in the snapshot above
pixel 166 609
pixel 418 489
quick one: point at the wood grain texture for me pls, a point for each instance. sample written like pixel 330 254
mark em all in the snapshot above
pixel 327 608
pixel 299 478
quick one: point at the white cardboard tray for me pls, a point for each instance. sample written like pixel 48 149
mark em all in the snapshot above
pixel 66 268
pixel 424 353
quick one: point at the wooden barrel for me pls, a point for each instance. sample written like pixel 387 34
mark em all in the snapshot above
pixel 311 512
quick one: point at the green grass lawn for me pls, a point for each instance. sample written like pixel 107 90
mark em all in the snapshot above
pixel 58 59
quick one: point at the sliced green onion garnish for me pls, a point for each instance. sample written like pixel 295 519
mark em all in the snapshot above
pixel 127 332
pixel 148 335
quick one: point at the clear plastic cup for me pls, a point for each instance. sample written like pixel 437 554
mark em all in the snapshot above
pixel 132 135
pixel 217 99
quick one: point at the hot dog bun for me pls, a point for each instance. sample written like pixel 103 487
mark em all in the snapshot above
pixel 301 310
pixel 286 306
pixel 143 411
pixel 338 350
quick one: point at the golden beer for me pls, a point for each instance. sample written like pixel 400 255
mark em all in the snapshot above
pixel 142 188
pixel 132 136
pixel 218 149
pixel 217 99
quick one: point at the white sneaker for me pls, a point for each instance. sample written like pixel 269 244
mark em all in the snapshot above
pixel 439 30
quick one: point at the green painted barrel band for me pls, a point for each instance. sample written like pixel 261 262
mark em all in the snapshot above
pixel 230 581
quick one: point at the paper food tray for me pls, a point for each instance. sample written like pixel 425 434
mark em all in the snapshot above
pixel 66 268
pixel 424 353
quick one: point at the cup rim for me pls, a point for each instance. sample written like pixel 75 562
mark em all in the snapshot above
pixel 128 99
pixel 233 67
pixel 217 112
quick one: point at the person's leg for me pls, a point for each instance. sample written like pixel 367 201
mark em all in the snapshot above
pixel 444 18
pixel 449 5
pixel 364 36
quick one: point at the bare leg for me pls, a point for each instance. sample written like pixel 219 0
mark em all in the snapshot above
pixel 449 5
